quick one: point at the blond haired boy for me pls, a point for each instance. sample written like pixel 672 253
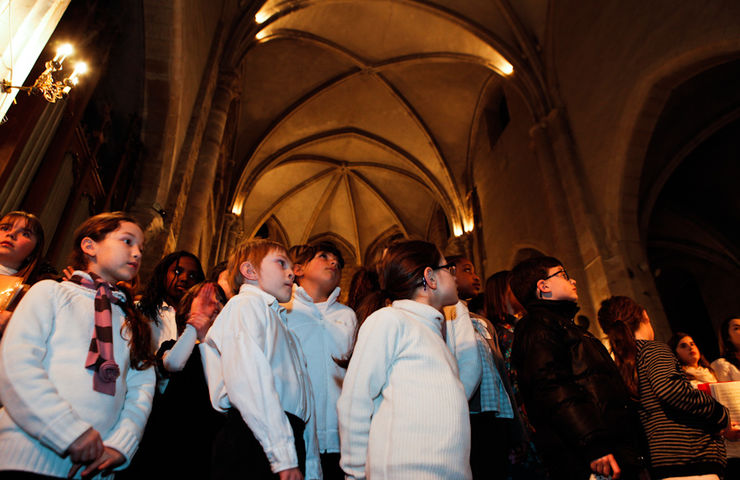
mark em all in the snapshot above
pixel 256 373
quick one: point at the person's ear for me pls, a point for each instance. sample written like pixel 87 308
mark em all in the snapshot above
pixel 298 270
pixel 543 289
pixel 89 246
pixel 430 278
pixel 248 271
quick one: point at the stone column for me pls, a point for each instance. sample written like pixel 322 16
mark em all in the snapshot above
pixel 580 232
pixel 201 188
pixel 223 242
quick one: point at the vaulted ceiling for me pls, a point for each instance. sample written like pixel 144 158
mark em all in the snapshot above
pixel 357 117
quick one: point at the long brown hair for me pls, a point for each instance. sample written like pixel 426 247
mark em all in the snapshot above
pixel 29 267
pixel 620 317
pixel 97 228
pixel 400 273
pixel 364 282
pixel 498 292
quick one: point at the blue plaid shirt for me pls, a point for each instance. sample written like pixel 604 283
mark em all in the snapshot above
pixel 491 395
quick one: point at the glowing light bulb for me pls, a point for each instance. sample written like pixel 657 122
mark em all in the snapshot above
pixel 507 69
pixel 63 52
pixel 262 16
pixel 80 69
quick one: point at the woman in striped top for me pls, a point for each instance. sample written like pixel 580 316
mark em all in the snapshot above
pixel 682 425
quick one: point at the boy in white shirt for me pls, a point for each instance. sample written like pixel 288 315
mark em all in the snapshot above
pixel 257 374
pixel 325 329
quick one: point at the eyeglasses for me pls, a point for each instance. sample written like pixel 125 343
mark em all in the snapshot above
pixel 558 273
pixel 450 267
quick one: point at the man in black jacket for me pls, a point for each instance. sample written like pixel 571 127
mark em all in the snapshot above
pixel 574 396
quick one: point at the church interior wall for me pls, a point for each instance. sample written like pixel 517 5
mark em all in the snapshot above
pixel 627 43
pixel 505 184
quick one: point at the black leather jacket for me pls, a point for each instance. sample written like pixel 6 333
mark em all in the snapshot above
pixel 573 393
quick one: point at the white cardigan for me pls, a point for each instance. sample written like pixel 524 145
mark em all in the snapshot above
pixel 47 391
pixel 403 413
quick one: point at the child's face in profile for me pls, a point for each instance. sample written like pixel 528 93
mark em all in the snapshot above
pixel 275 275
pixel 117 256
pixel 562 287
pixel 446 285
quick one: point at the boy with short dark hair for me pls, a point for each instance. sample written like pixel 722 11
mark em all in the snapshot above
pixel 256 373
pixel 575 398
pixel 325 328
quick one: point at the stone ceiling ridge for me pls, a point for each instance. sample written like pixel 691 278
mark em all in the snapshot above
pixel 344 97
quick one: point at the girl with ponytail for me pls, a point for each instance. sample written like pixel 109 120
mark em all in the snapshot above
pixel 403 412
pixel 680 422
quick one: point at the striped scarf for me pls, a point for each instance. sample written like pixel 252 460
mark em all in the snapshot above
pixel 100 354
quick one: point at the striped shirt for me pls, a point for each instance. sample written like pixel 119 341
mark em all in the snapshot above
pixel 681 423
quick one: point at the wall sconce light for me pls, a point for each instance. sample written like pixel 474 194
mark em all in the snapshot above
pixel 46 85
pixel 457 230
pixel 237 208
pixel 468 226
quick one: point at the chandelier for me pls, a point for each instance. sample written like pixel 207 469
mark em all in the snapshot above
pixel 45 84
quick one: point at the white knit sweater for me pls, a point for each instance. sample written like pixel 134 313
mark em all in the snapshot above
pixel 47 391
pixel 403 413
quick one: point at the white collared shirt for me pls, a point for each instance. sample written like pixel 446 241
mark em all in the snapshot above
pixel 255 364
pixel 7 270
pixel 326 331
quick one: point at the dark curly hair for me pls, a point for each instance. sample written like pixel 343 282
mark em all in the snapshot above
pixel 155 291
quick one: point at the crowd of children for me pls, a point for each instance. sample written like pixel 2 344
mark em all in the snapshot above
pixel 260 371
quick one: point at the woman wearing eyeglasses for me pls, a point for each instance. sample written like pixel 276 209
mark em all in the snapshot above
pixel 403 412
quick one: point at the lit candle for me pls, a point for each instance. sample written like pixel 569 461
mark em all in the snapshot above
pixel 80 68
pixel 63 52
